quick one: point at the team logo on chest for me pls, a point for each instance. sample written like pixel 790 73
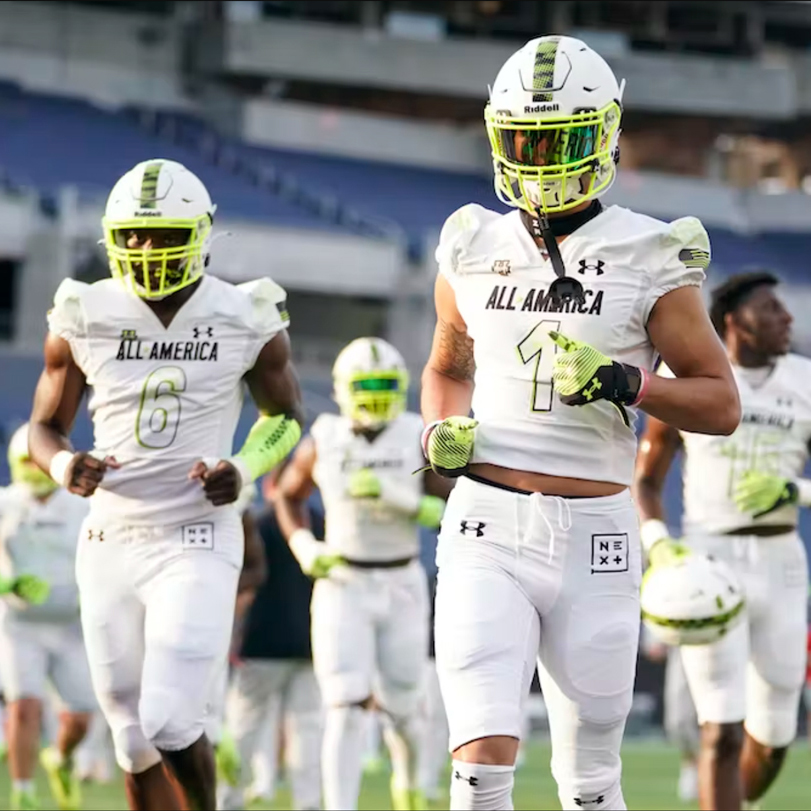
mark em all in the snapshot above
pixel 131 347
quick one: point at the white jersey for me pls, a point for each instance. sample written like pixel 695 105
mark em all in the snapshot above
pixel 368 529
pixel 164 397
pixel 626 262
pixel 773 438
pixel 39 538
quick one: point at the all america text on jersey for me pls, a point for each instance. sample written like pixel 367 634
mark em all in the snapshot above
pixel 505 297
pixel 129 349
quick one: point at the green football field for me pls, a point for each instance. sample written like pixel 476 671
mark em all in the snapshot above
pixel 650 773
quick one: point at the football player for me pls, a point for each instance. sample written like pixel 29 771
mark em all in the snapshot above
pixel 165 349
pixel 741 499
pixel 40 633
pixel 370 603
pixel 548 320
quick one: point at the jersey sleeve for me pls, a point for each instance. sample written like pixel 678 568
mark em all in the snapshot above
pixel 683 257
pixel 268 314
pixel 456 237
pixel 67 320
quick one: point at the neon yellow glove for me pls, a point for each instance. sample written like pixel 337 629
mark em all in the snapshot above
pixel 583 374
pixel 364 483
pixel 430 511
pixel 312 554
pixel 28 587
pixel 762 493
pixel 448 445
pixel 667 552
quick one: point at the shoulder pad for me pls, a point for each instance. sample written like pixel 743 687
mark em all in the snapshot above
pixel 268 300
pixel 66 317
pixel 690 235
pixel 458 234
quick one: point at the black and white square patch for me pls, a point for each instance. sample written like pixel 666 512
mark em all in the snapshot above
pixel 198 536
pixel 609 553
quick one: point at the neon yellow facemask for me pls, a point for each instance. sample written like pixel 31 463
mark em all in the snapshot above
pixel 373 398
pixel 169 269
pixel 564 161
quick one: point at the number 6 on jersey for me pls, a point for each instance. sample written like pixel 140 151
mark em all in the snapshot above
pixel 531 348
pixel 159 411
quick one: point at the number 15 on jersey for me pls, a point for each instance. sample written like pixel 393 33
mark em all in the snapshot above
pixel 539 348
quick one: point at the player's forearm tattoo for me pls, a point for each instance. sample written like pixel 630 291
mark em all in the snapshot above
pixel 454 352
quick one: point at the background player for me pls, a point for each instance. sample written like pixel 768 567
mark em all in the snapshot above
pixel 165 349
pixel 370 609
pixel 40 633
pixel 274 680
pixel 538 553
pixel 741 498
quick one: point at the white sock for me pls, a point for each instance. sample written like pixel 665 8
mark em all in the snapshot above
pixel 23 786
pixel 403 737
pixel 342 757
pixel 476 787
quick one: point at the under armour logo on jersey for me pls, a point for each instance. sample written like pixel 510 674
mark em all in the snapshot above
pixel 785 402
pixel 95 536
pixel 580 803
pixel 597 266
pixel 474 781
pixel 472 526
pixel 129 335
pixel 502 267
pixel 207 331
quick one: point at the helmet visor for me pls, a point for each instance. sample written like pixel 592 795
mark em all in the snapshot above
pixel 377 397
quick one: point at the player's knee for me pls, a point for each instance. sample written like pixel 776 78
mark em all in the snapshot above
pixel 400 702
pixel 133 752
pixel 494 750
pixel 167 726
pixel 723 741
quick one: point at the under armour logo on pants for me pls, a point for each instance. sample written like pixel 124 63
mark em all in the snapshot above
pixel 474 781
pixel 472 526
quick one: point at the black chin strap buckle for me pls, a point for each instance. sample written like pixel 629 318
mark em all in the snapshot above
pixel 564 288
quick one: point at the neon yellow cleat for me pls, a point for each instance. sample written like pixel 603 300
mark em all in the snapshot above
pixel 23 801
pixel 62 779
pixel 407 799
pixel 229 762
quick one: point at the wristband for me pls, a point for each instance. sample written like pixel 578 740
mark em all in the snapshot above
pixel 59 467
pixel 404 499
pixel 644 384
pixel 651 532
pixel 245 475
pixel 426 432
pixel 304 546
pixel 803 492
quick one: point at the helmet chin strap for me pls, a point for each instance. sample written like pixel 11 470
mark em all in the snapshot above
pixel 564 288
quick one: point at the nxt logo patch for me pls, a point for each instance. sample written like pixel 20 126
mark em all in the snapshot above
pixel 95 536
pixel 476 527
pixel 595 386
pixel 207 331
pixel 597 266
pixel 474 781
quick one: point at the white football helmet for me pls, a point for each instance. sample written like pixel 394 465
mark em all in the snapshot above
pixel 161 199
pixel 371 382
pixel 23 470
pixel 693 601
pixel 553 119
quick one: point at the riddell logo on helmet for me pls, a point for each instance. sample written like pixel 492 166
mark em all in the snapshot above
pixel 149 213
pixel 541 108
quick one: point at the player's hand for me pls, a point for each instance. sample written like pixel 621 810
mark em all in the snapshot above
pixel 323 565
pixel 761 493
pixel 667 552
pixel 85 472
pixel 364 483
pixel 449 446
pixel 583 374
pixel 32 589
pixel 221 483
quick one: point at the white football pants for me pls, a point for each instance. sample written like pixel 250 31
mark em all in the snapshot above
pixel 756 672
pixel 526 577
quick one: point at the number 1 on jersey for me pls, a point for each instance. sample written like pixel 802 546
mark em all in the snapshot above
pixel 531 349
pixel 159 412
